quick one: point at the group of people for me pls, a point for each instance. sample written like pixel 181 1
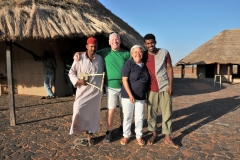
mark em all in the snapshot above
pixel 131 80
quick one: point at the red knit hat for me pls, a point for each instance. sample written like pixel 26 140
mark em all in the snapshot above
pixel 92 40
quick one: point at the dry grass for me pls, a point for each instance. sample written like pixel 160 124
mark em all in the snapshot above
pixel 223 48
pixel 43 19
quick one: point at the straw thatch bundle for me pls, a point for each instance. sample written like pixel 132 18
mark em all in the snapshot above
pixel 37 19
pixel 224 48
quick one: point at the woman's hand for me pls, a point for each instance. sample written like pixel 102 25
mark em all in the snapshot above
pixel 132 99
pixel 127 88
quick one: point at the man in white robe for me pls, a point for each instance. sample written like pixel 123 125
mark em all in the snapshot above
pixel 87 104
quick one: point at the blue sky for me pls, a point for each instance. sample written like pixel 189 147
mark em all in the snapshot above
pixel 180 26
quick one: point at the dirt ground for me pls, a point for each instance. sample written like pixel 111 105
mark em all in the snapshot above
pixel 205 125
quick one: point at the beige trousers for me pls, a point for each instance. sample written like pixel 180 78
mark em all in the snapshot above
pixel 164 101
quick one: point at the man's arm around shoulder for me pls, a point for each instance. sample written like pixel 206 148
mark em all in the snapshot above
pixel 103 51
pixel 76 56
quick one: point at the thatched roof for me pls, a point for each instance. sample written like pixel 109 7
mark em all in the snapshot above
pixel 41 19
pixel 224 48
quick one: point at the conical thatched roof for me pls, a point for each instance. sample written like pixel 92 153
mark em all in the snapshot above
pixel 40 19
pixel 224 48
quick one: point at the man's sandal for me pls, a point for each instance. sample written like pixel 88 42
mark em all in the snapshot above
pixel 123 141
pixel 80 141
pixel 89 138
pixel 90 142
pixel 140 141
pixel 171 144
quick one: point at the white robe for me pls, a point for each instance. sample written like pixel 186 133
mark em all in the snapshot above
pixel 87 104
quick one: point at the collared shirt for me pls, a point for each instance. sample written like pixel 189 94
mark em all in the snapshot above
pixel 86 66
pixel 114 61
pixel 137 78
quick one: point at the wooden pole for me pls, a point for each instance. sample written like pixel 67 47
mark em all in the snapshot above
pixel 218 68
pixel 182 70
pixel 228 72
pixel 10 83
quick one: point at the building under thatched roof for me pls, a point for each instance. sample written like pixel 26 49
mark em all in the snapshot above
pixel 40 19
pixel 224 48
pixel 217 56
pixel 61 27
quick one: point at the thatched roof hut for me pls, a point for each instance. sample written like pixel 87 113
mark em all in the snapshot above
pixel 224 48
pixel 41 19
pixel 51 24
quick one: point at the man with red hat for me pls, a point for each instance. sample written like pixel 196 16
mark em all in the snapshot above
pixel 86 111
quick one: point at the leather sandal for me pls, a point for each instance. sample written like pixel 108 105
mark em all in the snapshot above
pixel 140 141
pixel 123 141
pixel 90 140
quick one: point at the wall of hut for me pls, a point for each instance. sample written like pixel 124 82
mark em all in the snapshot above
pixel 224 73
pixel 203 72
pixel 28 75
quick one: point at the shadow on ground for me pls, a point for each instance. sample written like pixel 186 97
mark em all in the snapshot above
pixel 183 86
pixel 201 114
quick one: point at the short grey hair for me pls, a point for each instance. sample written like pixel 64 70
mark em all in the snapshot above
pixel 136 46
pixel 114 33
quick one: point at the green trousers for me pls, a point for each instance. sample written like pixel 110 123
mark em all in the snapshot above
pixel 164 101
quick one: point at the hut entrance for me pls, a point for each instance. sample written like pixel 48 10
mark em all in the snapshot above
pixel 210 70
